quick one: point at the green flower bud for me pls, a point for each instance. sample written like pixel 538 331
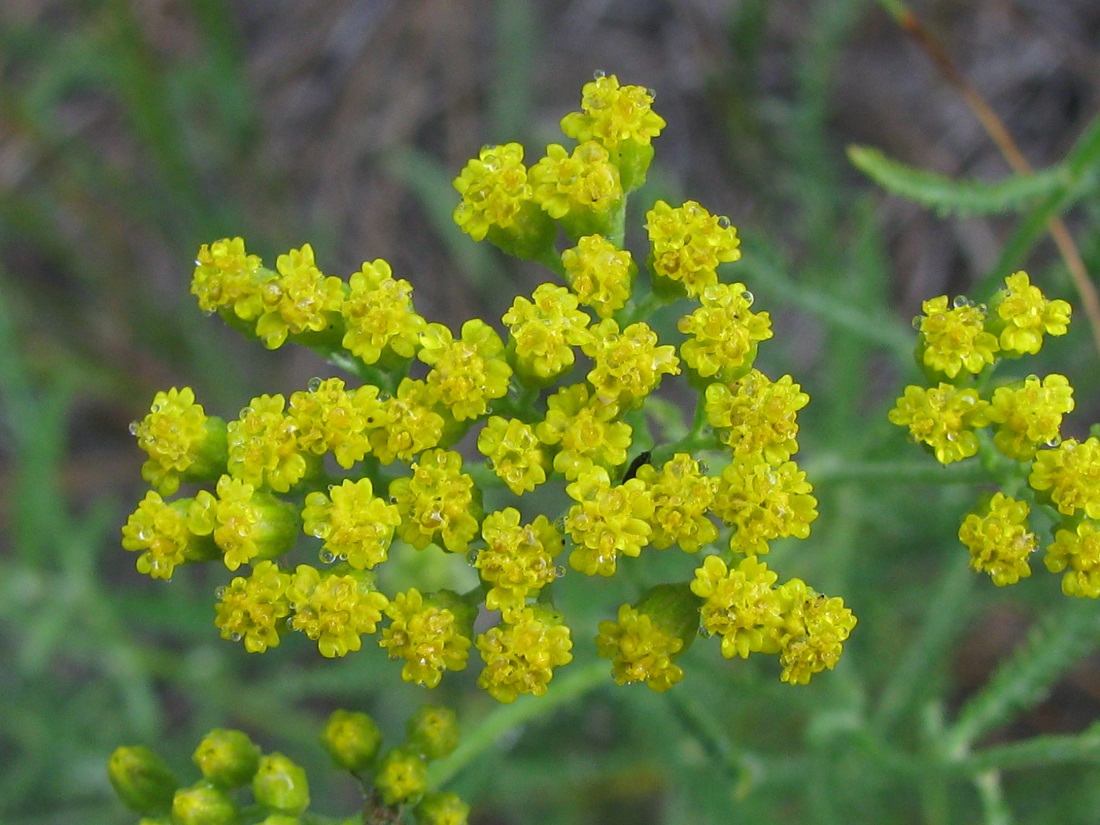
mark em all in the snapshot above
pixel 402 776
pixel 227 758
pixel 351 739
pixel 280 819
pixel 142 779
pixel 203 804
pixel 673 608
pixel 442 808
pixel 433 732
pixel 281 785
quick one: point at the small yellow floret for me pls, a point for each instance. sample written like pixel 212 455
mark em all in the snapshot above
pixel 999 540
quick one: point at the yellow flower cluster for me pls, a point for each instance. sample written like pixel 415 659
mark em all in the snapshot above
pixel 959 347
pixel 363 473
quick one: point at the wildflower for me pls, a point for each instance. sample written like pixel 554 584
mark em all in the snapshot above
pixel 514 452
pixel 518 561
pixel 334 610
pixel 281 785
pixel 204 804
pixel 228 278
pixel 498 204
pixel 409 424
pixel 647 638
pixel 543 334
pixel 330 419
pixel 437 503
pixel 764 503
pixel 264 448
pixel 599 273
pixel 379 318
pixel 247 524
pixel 740 605
pixel 756 417
pixel 432 732
pixel 1069 476
pixel 356 526
pixel 301 300
pixel 1023 315
pixel 814 631
pixel 227 758
pixel 182 442
pixel 401 776
pixel 681 496
pixel 584 432
pixel 466 373
pixel 521 653
pixel 723 333
pixel 687 244
pixel 1076 552
pixel 159 530
pixel 431 635
pixel 628 365
pixel 1029 414
pixel 621 119
pixel 142 779
pixel 999 540
pixel 581 190
pixel 442 808
pixel 253 609
pixel 606 521
pixel 943 418
pixel 953 339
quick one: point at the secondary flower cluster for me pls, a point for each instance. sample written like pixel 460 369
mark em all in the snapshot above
pixel 554 401
pixel 962 413
pixel 233 767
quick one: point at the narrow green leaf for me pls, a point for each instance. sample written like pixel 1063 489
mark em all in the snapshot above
pixel 947 196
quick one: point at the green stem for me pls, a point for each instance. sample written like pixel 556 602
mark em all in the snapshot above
pixel 508 717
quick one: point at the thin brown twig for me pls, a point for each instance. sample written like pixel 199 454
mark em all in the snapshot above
pixel 1008 148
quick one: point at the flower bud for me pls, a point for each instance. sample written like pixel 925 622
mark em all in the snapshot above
pixel 442 808
pixel 142 779
pixel 203 804
pixel 402 776
pixel 281 785
pixel 227 758
pixel 351 739
pixel 433 732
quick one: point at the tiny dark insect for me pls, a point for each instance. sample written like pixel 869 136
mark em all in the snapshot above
pixel 632 470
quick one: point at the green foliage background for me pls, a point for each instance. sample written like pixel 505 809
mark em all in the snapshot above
pixel 132 132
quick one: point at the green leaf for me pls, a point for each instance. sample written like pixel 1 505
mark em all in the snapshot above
pixel 947 196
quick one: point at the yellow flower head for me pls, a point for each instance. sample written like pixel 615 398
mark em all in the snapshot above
pixel 600 274
pixel 815 628
pixel 544 332
pixel 302 299
pixel 611 114
pixel 1069 476
pixel 521 653
pixel 724 332
pixel 580 189
pixel 682 495
pixel 1024 315
pixel 943 418
pixel 429 635
pixel 226 277
pixel 756 417
pixel 740 605
pixel 514 452
pixel 246 523
pixel 1029 414
pixel 181 441
pixel 410 425
pixel 494 188
pixel 334 610
pixel 330 419
pixel 253 609
pixel 687 244
pixel 379 316
pixel 264 448
pixel 437 503
pixel 999 540
pixel 158 529
pixel 953 339
pixel 582 430
pixel 356 526
pixel 466 373
pixel 764 503
pixel 518 560
pixel 1076 551
pixel 607 521
pixel 628 365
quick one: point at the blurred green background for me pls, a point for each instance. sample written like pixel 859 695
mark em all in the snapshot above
pixel 132 132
